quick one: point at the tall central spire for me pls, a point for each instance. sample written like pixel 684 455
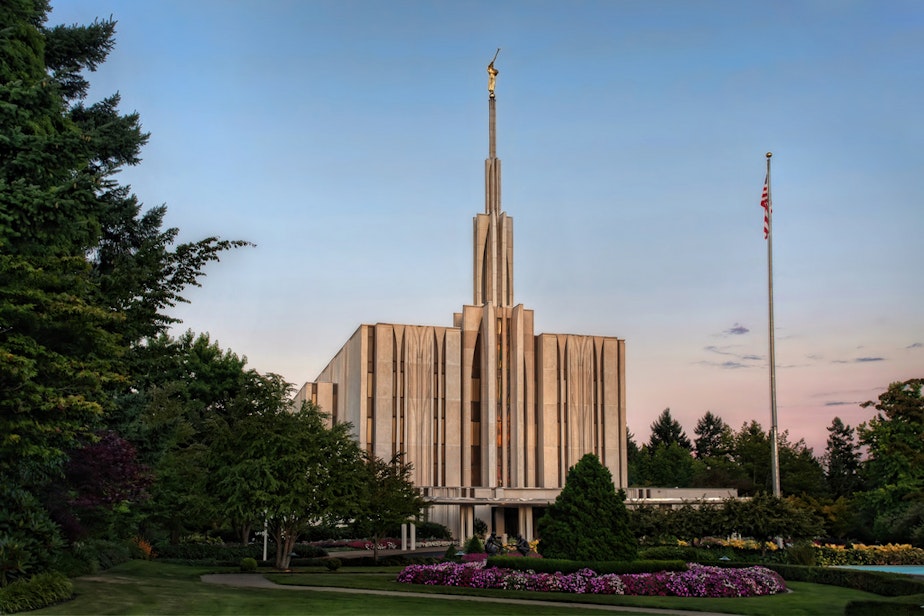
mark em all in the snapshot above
pixel 493 258
pixel 492 164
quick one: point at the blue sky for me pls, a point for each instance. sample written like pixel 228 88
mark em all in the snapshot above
pixel 346 139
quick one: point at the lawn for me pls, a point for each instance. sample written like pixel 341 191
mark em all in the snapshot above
pixel 140 587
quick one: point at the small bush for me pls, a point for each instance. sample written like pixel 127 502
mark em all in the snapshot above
pixel 481 527
pixel 248 565
pixel 802 554
pixel 451 552
pixel 333 564
pixel 40 591
pixel 141 549
pixel 304 550
pixel 473 545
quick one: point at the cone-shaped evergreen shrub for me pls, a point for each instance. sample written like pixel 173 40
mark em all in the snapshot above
pixel 588 520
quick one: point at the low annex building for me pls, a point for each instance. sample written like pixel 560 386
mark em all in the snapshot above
pixel 490 414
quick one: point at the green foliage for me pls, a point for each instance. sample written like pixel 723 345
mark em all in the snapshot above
pixel 841 460
pixel 333 564
pixel 481 527
pixel 893 506
pixel 388 497
pixel 434 530
pixel 248 565
pixel 601 567
pixel 588 520
pixel 473 545
pixel 667 464
pixel 291 466
pixel 802 553
pixel 29 539
pixel 208 552
pixel 713 437
pixel 877 582
pixel 35 593
pixel 85 276
pixel 765 517
pixel 679 552
pixel 666 430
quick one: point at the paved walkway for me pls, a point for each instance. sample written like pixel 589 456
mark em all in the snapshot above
pixel 251 580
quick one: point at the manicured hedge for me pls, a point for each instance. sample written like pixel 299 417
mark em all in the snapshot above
pixel 35 593
pixel 679 552
pixel 877 582
pixel 214 554
pixel 557 565
pixel 878 608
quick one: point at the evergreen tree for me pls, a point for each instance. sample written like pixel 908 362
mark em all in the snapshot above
pixel 633 456
pixel 666 430
pixel 713 437
pixel 85 276
pixel 841 460
pixel 752 454
pixel 800 471
pixel 588 520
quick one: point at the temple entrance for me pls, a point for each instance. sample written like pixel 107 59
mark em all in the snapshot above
pixel 511 522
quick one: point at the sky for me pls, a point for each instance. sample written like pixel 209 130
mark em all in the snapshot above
pixel 346 138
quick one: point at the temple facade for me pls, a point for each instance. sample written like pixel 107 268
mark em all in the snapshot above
pixel 490 414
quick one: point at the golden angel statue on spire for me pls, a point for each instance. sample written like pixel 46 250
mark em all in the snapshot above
pixel 492 73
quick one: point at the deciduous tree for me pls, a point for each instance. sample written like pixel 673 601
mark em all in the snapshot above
pixel 389 498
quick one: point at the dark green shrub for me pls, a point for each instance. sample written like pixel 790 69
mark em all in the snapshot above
pixel 451 553
pixel 40 591
pixel 210 552
pixel 248 565
pixel 588 520
pixel 553 565
pixel 878 608
pixel 29 539
pixel 304 550
pixel 877 582
pixel 473 545
pixel 432 530
pixel 481 527
pixel 333 563
pixel 801 554
pixel 678 552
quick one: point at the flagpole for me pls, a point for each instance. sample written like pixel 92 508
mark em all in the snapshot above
pixel 774 442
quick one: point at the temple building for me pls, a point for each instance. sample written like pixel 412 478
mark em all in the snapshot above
pixel 490 414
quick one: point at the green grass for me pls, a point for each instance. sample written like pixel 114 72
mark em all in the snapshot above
pixel 141 587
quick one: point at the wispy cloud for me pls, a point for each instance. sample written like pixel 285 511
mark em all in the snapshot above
pixel 736 359
pixel 736 330
pixel 915 345
pixel 841 403
pixel 858 360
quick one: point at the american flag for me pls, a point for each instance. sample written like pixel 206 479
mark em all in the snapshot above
pixel 765 203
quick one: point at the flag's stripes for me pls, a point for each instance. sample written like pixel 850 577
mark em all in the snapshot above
pixel 765 203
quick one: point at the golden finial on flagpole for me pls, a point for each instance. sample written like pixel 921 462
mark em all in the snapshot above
pixel 769 154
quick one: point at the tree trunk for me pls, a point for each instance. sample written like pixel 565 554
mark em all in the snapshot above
pixel 282 557
pixel 245 533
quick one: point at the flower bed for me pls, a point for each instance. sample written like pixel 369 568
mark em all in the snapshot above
pixel 697 581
